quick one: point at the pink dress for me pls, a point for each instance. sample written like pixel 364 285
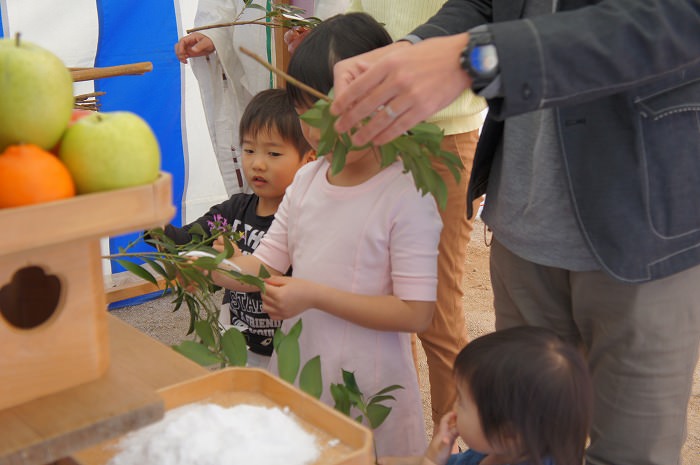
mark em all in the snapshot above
pixel 377 238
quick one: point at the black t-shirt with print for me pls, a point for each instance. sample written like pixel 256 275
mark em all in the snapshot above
pixel 245 308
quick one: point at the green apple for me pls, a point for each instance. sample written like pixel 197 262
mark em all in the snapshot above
pixel 36 95
pixel 110 150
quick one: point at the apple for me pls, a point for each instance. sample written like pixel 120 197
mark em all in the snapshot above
pixel 74 116
pixel 110 150
pixel 36 95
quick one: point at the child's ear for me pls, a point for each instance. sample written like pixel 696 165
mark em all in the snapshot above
pixel 308 156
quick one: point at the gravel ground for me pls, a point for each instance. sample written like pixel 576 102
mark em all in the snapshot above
pixel 157 319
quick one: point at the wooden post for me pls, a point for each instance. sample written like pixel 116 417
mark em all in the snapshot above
pixel 281 53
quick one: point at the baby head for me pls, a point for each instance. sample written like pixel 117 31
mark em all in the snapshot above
pixel 524 393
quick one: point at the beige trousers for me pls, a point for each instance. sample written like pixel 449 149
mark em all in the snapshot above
pixel 447 333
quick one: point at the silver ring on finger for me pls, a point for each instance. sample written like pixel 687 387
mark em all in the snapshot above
pixel 389 112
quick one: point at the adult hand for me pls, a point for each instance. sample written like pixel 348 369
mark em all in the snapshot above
pixel 397 88
pixel 294 36
pixel 193 45
pixel 285 297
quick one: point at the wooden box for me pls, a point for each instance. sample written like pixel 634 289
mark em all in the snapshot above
pixel 53 328
pixel 253 386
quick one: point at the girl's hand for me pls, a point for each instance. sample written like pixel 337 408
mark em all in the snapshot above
pixel 219 246
pixel 440 447
pixel 286 297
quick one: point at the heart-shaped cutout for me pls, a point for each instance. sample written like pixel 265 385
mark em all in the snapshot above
pixel 30 298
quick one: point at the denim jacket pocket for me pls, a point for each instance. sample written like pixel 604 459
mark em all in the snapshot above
pixel 669 123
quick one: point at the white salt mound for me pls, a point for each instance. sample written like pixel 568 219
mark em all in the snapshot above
pixel 204 434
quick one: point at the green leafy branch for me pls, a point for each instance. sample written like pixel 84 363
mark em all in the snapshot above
pixel 416 148
pixel 189 280
pixel 279 15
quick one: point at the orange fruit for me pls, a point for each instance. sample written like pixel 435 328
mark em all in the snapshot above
pixel 30 174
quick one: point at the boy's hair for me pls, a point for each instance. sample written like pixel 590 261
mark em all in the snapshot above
pixel 337 38
pixel 271 110
pixel 530 385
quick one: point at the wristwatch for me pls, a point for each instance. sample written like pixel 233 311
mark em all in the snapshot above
pixel 479 58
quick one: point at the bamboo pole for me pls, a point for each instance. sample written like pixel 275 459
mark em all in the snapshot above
pixel 89 74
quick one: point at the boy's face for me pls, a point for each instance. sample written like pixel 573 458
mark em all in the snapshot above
pixel 270 163
pixel 468 420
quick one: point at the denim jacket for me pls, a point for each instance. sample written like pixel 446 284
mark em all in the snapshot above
pixel 623 77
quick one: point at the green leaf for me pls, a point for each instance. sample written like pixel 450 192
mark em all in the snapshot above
pixel 341 398
pixel 156 267
pixel 376 414
pixel 389 153
pixel 198 230
pixel 197 352
pixel 387 389
pixel 205 333
pixel 277 338
pixel 310 378
pixel 338 161
pixel 234 347
pixel 313 116
pixel 263 273
pixel 295 331
pixel 350 383
pixel 288 359
pixel 137 270
pixel 378 399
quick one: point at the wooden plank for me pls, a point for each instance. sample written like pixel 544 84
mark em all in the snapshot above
pixel 87 216
pixel 126 285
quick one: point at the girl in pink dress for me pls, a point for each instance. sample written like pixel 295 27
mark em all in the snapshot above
pixel 362 245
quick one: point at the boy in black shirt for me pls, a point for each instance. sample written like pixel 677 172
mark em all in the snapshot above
pixel 273 149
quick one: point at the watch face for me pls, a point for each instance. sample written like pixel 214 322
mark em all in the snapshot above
pixel 484 59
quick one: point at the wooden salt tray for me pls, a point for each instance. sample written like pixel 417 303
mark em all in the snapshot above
pixel 252 386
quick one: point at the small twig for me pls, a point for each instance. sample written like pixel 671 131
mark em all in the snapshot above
pixel 258 21
pixel 286 77
pixel 87 96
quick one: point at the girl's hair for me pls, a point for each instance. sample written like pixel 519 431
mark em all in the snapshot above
pixel 337 38
pixel 531 386
pixel 271 110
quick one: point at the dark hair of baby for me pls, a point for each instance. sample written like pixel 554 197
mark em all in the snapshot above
pixel 271 110
pixel 334 39
pixel 529 384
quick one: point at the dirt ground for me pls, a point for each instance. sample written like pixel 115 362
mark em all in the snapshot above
pixel 156 318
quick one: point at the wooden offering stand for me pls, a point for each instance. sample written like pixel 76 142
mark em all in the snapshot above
pixel 58 392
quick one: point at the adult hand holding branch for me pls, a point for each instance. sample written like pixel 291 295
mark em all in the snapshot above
pixel 409 82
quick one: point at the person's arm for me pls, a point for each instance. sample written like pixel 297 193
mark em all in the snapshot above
pixel 286 297
pixel 549 60
pixel 249 264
